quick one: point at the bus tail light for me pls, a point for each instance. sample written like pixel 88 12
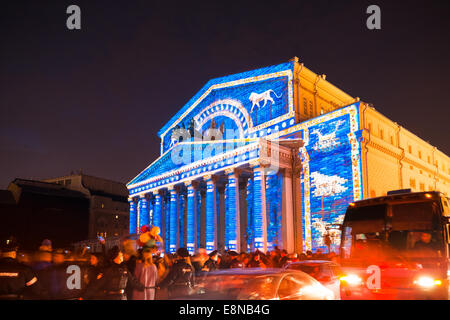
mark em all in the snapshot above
pixel 427 282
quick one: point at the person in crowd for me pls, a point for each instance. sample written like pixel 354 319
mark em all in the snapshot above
pixel 235 262
pixel 199 259
pixel 180 279
pixel 292 257
pixel 160 264
pixel 274 258
pixel 146 272
pixel 283 258
pixel 43 258
pixel 256 261
pixel 225 261
pixel 129 259
pixel 318 255
pixel 17 281
pixel 244 257
pixel 54 278
pixel 212 263
pixel 94 269
pixel 111 285
pixel 309 255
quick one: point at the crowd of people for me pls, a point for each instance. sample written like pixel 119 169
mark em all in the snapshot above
pixel 122 273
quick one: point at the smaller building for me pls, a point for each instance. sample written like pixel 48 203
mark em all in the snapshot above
pixel 108 204
pixel 34 210
pixel 71 209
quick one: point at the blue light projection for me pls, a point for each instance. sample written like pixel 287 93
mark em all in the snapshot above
pixel 239 87
pixel 231 196
pixel 331 167
pixel 157 215
pixel 262 101
pixel 256 103
pixel 258 220
pixel 167 220
pixel 144 218
pixel 133 217
pixel 181 208
pixel 173 221
pixel 190 219
pixel 198 213
pixel 249 232
pixel 210 216
pixel 274 211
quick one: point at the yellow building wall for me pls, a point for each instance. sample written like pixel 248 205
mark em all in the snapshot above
pixel 314 95
pixel 395 158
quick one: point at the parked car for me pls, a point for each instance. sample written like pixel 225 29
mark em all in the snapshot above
pixel 258 284
pixel 326 272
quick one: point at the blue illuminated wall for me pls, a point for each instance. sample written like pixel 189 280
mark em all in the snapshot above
pixel 190 220
pixel 274 211
pixel 133 217
pixel 198 213
pixel 144 218
pixel 243 89
pixel 331 176
pixel 249 229
pixel 157 215
pixel 182 205
pixel 210 238
pixel 173 221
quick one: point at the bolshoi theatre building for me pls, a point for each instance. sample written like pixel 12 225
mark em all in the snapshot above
pixel 272 157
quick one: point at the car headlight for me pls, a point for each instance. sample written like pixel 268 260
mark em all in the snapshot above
pixel 427 282
pixel 351 279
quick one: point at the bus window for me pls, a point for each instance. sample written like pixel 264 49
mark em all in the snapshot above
pixel 415 216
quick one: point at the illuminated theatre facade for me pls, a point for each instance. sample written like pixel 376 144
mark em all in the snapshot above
pixel 300 152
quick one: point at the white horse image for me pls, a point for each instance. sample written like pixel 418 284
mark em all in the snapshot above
pixel 256 98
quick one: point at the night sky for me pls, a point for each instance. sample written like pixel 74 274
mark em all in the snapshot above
pixel 94 99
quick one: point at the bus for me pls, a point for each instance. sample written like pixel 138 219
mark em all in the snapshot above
pixel 396 247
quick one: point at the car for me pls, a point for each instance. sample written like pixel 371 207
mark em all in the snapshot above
pixel 258 284
pixel 326 272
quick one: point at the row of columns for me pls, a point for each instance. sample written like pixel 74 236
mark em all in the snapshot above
pixel 143 211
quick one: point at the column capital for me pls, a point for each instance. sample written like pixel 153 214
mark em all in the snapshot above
pixel 192 183
pixel 233 171
pixel 132 199
pixel 257 163
pixel 211 177
pixel 174 188
pixel 287 172
pixel 254 163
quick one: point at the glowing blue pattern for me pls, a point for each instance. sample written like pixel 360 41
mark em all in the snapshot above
pixel 144 218
pixel 173 221
pixel 190 219
pixel 331 159
pixel 258 217
pixel 181 208
pixel 210 237
pixel 240 93
pixel 157 215
pixel 274 211
pixel 330 178
pixel 133 217
pixel 230 213
pixel 249 229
